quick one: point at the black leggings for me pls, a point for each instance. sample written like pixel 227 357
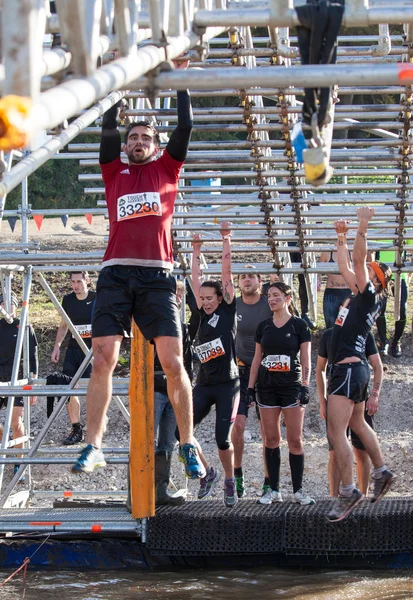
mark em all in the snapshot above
pixel 401 323
pixel 225 396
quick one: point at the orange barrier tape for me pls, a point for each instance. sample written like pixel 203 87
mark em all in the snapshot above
pixel 27 387
pixel 96 528
pixel 67 494
pixel 44 523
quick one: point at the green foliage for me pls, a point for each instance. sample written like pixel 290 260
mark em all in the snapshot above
pixel 56 185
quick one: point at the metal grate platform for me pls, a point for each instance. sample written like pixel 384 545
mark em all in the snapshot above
pixel 207 528
pixel 89 520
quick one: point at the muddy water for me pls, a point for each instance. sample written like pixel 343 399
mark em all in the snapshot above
pixel 255 584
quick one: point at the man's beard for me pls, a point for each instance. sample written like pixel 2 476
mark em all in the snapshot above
pixel 141 158
pixel 250 292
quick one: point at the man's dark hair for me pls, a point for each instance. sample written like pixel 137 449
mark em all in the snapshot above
pixel 146 124
pixel 84 274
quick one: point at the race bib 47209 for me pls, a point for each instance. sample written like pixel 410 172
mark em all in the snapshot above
pixel 277 362
pixel 132 206
pixel 210 350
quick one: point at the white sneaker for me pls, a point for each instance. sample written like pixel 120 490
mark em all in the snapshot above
pixel 270 497
pixel 300 498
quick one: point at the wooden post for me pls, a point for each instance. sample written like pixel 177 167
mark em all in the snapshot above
pixel 141 406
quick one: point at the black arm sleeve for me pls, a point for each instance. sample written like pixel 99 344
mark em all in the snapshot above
pixel 33 355
pixel 177 146
pixel 187 350
pixel 110 141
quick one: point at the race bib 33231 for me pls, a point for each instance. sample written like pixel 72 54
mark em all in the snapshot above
pixel 277 362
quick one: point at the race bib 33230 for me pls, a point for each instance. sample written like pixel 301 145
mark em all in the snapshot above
pixel 132 206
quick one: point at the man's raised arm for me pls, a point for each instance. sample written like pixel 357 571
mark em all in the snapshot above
pixel 110 142
pixel 177 146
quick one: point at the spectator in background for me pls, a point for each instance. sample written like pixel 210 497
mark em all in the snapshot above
pixel 8 341
pixel 336 290
pixel 78 305
pixel 389 257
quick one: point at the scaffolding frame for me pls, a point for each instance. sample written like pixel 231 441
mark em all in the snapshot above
pixel 262 190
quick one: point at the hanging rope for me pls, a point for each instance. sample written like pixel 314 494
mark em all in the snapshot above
pixel 24 566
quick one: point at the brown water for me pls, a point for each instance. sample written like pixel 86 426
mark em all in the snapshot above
pixel 255 584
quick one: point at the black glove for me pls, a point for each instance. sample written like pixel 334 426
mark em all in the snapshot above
pixel 250 396
pixel 303 396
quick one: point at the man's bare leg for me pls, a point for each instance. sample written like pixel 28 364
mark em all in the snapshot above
pixel 73 409
pixel 99 392
pixel 17 424
pixel 169 350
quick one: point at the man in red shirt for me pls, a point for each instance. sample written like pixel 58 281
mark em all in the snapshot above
pixel 137 276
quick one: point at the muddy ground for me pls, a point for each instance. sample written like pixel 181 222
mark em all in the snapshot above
pixel 394 422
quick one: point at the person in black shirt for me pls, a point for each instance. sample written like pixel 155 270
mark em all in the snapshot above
pixel 79 307
pixel 218 377
pixel 372 401
pixel 165 420
pixel 350 373
pixel 281 370
pixel 8 340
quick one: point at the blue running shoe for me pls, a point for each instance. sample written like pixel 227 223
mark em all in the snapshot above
pixel 188 455
pixel 22 478
pixel 89 459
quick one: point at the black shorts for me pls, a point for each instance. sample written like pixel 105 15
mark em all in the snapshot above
pixel 18 401
pixel 73 359
pixel 147 294
pixel 355 440
pixel 244 377
pixel 278 397
pixel 350 380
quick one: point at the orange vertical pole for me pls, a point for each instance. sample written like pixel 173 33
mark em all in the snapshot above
pixel 141 406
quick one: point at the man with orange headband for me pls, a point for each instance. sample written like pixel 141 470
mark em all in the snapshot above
pixel 350 373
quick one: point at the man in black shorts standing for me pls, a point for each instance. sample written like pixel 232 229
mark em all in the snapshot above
pixel 350 373
pixel 8 340
pixel 78 306
pixel 372 403
pixel 252 308
pixel 136 279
